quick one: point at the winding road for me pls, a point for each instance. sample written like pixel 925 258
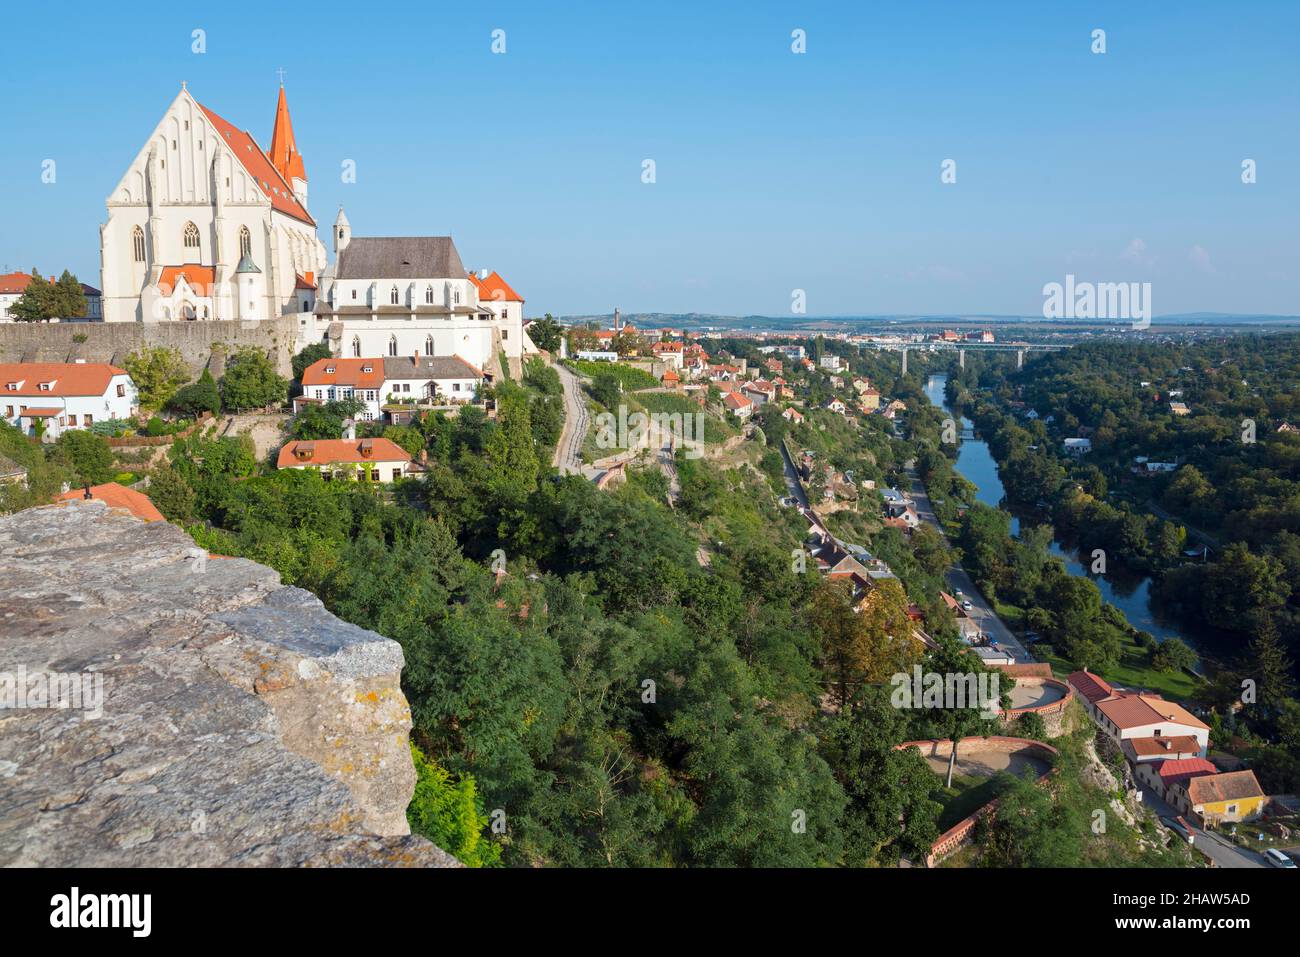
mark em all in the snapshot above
pixel 568 451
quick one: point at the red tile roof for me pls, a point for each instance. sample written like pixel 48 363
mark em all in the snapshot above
pixel 260 167
pixel 14 282
pixel 346 372
pixel 1138 710
pixel 494 289
pixel 200 278
pixel 117 496
pixel 1092 688
pixel 1232 786
pixel 68 378
pixel 1172 772
pixel 340 451
pixel 1165 744
pixel 735 401
pixel 284 151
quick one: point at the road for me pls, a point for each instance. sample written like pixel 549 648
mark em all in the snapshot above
pixel 959 580
pixel 568 451
pixel 1218 849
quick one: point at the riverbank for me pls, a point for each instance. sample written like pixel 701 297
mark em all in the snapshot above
pixel 1131 596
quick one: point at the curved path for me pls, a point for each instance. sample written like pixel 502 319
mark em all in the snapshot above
pixel 568 451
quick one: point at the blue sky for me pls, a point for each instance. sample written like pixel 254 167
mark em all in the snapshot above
pixel 775 171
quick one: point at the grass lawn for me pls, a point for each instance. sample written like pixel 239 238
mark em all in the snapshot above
pixel 966 796
pixel 1134 671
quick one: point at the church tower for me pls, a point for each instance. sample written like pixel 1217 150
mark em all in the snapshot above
pixel 342 233
pixel 284 153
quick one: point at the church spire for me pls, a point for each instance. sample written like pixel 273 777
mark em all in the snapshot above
pixel 284 153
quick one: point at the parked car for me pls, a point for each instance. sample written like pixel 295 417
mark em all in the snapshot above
pixel 1276 858
pixel 967 605
pixel 1179 827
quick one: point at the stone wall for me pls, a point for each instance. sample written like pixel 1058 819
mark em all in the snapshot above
pixel 238 723
pixel 201 344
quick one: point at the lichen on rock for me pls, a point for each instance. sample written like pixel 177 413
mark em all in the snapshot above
pixel 241 723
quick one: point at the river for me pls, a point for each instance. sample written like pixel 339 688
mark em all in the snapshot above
pixel 1130 594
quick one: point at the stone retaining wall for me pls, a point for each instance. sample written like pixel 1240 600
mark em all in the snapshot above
pixel 952 839
pixel 201 344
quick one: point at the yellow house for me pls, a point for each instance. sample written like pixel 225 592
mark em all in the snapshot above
pixel 1223 798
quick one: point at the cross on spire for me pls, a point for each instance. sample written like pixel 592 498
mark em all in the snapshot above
pixel 281 74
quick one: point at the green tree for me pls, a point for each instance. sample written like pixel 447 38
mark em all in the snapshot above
pixel 546 333
pixel 312 353
pixel 157 372
pixel 69 298
pixel 251 381
pixel 448 813
pixel 87 454
pixel 199 396
pixel 1173 655
pixel 172 495
pixel 325 421
pixel 36 304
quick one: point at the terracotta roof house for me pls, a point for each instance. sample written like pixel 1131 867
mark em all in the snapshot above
pixel 116 496
pixel 738 405
pixel 1090 687
pixel 379 460
pixel 1165 748
pixel 1177 771
pixel 1214 799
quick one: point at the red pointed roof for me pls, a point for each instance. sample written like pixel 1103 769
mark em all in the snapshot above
pixel 284 151
pixel 494 289
pixel 259 166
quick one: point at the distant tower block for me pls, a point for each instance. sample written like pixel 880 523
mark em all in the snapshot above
pixel 904 360
pixel 1020 358
pixel 961 358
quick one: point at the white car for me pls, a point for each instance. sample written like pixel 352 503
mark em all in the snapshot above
pixel 967 605
pixel 1276 858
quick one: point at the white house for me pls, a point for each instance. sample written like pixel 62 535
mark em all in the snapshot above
pixel 376 382
pixel 51 397
pixel 1125 716
pixel 14 284
pixel 830 362
pixel 431 379
pixel 375 460
pixel 204 202
pixel 1077 446
pixel 327 380
pixel 395 296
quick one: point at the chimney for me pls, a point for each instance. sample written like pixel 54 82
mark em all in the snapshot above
pixel 87 494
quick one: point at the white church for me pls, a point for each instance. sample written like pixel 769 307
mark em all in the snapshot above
pixel 207 226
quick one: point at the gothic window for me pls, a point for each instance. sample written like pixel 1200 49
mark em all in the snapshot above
pixel 428 345
pixel 392 296
pixel 457 295
pixel 187 311
pixel 356 347
pixel 245 242
pixel 392 346
pixel 191 236
pixel 428 294
pixel 137 243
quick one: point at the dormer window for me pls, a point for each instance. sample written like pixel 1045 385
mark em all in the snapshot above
pixel 329 370
pixel 367 368
pixel 47 386
pixel 15 386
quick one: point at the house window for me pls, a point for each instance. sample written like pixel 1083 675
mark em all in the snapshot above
pixel 392 296
pixel 121 390
pixel 374 475
pixel 87 419
pixel 191 236
pixel 354 294
pixel 137 243
pixel 397 473
pixel 392 346
pixel 505 334
pixel 245 241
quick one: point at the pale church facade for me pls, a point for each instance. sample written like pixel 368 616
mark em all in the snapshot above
pixel 412 296
pixel 205 225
